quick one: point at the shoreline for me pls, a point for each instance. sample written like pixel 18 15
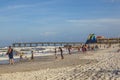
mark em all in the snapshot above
pixel 45 62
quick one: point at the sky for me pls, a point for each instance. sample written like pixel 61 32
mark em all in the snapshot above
pixel 57 20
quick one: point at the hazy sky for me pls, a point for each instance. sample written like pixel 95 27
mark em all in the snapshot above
pixel 58 20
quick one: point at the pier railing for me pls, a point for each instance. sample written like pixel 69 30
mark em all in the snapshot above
pixel 33 44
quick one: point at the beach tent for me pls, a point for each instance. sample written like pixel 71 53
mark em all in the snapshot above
pixel 91 39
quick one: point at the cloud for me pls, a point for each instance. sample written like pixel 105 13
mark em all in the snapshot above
pixel 96 21
pixel 99 26
pixel 12 7
pixel 19 6
pixel 48 33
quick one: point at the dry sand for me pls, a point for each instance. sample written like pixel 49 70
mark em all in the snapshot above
pixel 95 65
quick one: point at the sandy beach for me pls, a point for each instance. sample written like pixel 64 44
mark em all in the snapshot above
pixel 92 65
pixel 59 39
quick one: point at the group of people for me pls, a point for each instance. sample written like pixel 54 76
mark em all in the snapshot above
pixel 61 53
pixel 86 47
pixel 83 48
pixel 11 58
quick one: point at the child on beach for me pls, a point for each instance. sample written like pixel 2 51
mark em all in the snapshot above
pixel 21 56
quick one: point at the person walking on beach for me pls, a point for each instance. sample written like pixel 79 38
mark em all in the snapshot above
pixel 61 51
pixel 32 56
pixel 55 53
pixel 10 55
pixel 69 50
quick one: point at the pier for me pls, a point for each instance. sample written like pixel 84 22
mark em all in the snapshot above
pixel 34 44
pixel 108 41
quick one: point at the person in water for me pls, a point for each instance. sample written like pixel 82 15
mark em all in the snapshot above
pixel 10 55
pixel 32 56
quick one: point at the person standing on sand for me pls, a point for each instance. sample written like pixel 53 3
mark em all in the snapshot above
pixel 69 50
pixel 10 55
pixel 55 53
pixel 32 56
pixel 61 51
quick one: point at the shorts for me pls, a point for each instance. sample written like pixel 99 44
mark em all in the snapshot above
pixel 10 56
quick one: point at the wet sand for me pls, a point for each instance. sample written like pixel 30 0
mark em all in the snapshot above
pixel 45 62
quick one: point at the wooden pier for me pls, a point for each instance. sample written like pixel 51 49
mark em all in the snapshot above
pixel 108 41
pixel 34 44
